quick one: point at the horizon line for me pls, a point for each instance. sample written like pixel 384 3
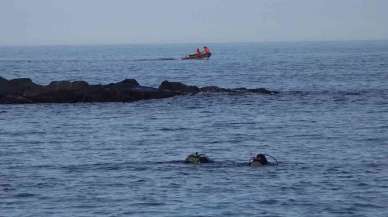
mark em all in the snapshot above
pixel 182 43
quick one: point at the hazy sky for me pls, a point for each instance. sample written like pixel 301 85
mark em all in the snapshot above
pixel 29 22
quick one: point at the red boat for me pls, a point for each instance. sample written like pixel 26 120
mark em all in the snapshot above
pixel 204 56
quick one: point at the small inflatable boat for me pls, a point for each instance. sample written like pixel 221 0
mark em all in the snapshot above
pixel 204 56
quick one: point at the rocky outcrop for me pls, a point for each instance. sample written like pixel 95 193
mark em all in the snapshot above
pixel 23 90
pixel 215 89
pixel 178 88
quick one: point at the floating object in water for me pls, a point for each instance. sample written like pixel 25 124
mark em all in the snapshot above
pixel 156 59
pixel 203 56
pixel 197 159
pixel 261 160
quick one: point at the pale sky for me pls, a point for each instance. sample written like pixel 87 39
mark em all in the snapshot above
pixel 37 22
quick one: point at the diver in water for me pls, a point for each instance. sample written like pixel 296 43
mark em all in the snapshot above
pixel 259 160
pixel 197 158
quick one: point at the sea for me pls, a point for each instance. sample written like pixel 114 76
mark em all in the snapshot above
pixel 327 129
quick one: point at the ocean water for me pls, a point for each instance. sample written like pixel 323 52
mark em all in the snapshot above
pixel 327 127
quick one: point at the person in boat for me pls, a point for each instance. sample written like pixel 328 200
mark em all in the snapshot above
pixel 206 50
pixel 197 158
pixel 198 52
pixel 259 160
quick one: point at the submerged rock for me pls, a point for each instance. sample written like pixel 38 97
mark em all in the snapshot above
pixel 23 90
pixel 213 89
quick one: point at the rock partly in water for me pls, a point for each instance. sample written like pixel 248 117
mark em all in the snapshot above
pixel 68 85
pixel 23 90
pixel 3 86
pixel 255 91
pixel 16 86
pixel 178 88
pixel 213 89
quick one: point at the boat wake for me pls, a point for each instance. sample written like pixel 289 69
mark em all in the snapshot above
pixel 155 59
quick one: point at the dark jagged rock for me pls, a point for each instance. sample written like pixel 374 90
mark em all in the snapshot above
pixel 213 89
pixel 2 80
pixel 256 91
pixel 3 85
pixel 68 85
pixel 59 84
pixel 16 86
pixel 178 88
pixel 23 90
pixel 127 83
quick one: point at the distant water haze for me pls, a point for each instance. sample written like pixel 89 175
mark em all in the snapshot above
pixel 25 22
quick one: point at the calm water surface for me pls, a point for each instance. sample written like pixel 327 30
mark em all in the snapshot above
pixel 328 128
